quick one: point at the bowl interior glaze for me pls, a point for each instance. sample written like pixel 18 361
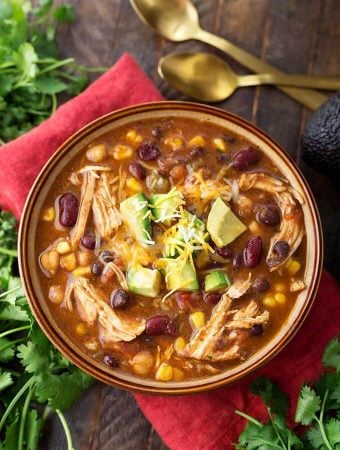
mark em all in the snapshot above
pixel 29 231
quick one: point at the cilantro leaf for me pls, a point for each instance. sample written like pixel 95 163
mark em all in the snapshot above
pixel 315 438
pixel 331 356
pixel 33 360
pixel 308 405
pixel 5 380
pixel 64 13
pixel 258 438
pixel 11 437
pixel 332 428
pixel 6 349
pixel 329 382
pixel 50 85
pixel 271 395
pixel 26 61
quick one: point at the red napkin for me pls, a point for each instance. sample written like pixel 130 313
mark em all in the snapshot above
pixel 196 422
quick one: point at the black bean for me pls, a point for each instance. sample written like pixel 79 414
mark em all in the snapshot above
pixel 106 256
pixel 245 158
pixel 111 361
pixel 212 298
pixel 252 252
pixel 68 209
pixel 282 249
pixel 97 269
pixel 157 325
pixel 268 215
pixel 147 151
pixel 256 330
pixel 88 241
pixel 261 284
pixel 238 260
pixel 197 152
pixel 223 158
pixel 225 251
pixel 137 170
pixel 229 138
pixel 119 299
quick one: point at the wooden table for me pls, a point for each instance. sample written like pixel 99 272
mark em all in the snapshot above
pixel 298 36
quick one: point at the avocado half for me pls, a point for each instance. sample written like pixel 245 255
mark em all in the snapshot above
pixel 321 139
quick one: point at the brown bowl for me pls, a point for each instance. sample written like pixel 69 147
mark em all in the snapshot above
pixel 76 143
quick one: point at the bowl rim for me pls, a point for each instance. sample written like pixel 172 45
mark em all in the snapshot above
pixel 70 352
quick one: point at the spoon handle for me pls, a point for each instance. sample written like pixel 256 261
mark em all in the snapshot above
pixel 306 81
pixel 307 97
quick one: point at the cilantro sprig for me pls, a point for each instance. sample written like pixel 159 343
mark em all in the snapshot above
pixel 317 410
pixel 35 379
pixel 31 73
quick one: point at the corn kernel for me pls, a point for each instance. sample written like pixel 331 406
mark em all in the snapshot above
pixel 269 302
pixel 134 184
pixel 164 372
pixel 81 328
pixel 134 137
pixel 294 267
pixel 254 227
pixel 68 262
pixel 280 287
pixel 289 262
pixel 176 143
pixel 82 271
pixel 280 298
pixel 177 374
pixel 220 144
pixel 92 345
pixel 84 258
pixel 197 141
pixel 49 214
pixel 179 344
pixel 63 247
pixel 197 319
pixel 122 152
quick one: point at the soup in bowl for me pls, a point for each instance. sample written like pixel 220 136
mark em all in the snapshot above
pixel 164 248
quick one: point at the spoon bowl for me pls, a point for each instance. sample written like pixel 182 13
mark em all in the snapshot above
pixel 177 22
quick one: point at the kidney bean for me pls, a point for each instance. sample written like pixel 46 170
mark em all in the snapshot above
pixel 111 361
pixel 68 209
pixel 212 298
pixel 106 256
pixel 97 269
pixel 256 330
pixel 238 260
pixel 225 251
pixel 137 170
pixel 245 158
pixel 261 284
pixel 268 215
pixel 252 252
pixel 183 300
pixel 119 298
pixel 147 151
pixel 88 241
pixel 178 173
pixel 160 324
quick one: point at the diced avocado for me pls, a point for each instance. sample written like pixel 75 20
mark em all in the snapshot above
pixel 136 215
pixel 223 226
pixel 179 276
pixel 144 281
pixel 165 206
pixel 216 280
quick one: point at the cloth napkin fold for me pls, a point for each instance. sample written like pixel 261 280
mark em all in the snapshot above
pixel 196 422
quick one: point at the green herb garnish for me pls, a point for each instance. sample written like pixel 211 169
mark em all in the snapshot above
pixel 318 409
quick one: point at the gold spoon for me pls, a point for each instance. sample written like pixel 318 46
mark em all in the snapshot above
pixel 208 78
pixel 177 20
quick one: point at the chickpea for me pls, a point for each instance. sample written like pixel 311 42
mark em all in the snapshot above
pixel 50 261
pixel 56 294
pixel 96 153
pixel 143 363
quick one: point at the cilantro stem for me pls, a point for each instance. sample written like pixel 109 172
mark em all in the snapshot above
pixel 7 251
pixel 15 399
pixel 320 423
pixel 10 343
pixel 67 430
pixel 90 69
pixel 250 418
pixel 276 429
pixel 4 294
pixel 23 418
pixel 56 64
pixel 54 103
pixel 14 330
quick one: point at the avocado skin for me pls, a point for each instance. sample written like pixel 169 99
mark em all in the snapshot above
pixel 321 139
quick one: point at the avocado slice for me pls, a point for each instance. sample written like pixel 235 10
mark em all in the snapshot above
pixel 216 280
pixel 144 281
pixel 321 138
pixel 136 215
pixel 179 277
pixel 164 207
pixel 223 226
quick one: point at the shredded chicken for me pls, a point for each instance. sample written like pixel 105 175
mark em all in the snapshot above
pixel 288 200
pixel 86 196
pixel 239 288
pixel 91 306
pixel 218 340
pixel 106 216
pixel 297 285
